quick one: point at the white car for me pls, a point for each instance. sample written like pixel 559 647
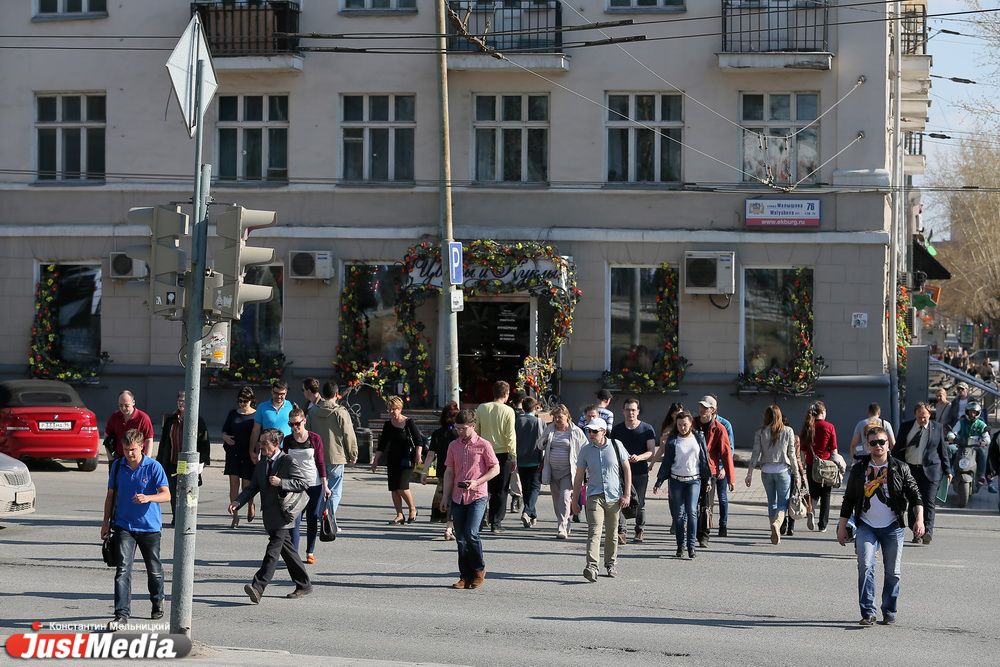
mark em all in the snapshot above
pixel 17 492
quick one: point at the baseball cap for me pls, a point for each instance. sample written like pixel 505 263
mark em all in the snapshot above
pixel 961 385
pixel 597 424
pixel 604 394
pixel 709 402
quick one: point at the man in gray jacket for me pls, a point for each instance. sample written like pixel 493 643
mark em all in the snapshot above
pixel 276 479
pixel 333 424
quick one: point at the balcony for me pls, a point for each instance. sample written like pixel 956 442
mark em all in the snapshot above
pixel 915 78
pixel 914 160
pixel 242 34
pixel 528 32
pixel 764 35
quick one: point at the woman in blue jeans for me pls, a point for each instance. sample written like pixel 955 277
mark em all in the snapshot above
pixel 774 454
pixel 685 462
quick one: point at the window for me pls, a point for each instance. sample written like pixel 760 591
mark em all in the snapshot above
pixel 512 138
pixel 70 7
pixel 644 137
pixel 768 306
pixel 70 137
pixel 257 334
pixel 381 5
pixel 378 303
pixel 635 339
pixel 645 5
pixel 378 137
pixel 77 305
pixel 777 146
pixel 253 138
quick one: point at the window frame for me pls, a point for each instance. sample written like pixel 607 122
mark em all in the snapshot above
pixel 63 14
pixel 98 294
pixel 241 126
pixel 660 7
pixel 499 124
pixel 632 126
pixel 608 334
pixel 366 126
pixel 368 10
pixel 60 144
pixel 279 297
pixel 793 125
pixel 744 289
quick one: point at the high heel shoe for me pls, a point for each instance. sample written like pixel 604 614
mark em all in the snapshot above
pixel 398 521
pixel 413 517
pixel 251 512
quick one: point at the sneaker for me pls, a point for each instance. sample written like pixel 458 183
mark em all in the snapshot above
pixel 156 614
pixel 638 536
pixel 809 522
pixel 310 559
pixel 992 488
pixel 561 535
pixel 526 520
pixel 927 538
pixel 621 538
pixel 888 619
pixel 534 520
pixel 498 528
pixel 867 621
pixel 823 529
pixel 590 574
pixel 612 571
pixel 723 532
pixel 118 623
pixel 982 481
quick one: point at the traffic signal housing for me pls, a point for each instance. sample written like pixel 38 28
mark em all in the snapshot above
pixel 232 261
pixel 164 290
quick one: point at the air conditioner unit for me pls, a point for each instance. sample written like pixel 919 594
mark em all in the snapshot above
pixel 123 267
pixel 709 272
pixel 310 265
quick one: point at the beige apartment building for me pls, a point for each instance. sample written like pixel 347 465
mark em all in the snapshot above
pixel 760 149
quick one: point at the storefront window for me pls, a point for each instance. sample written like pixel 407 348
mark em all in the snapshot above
pixel 635 340
pixel 769 328
pixel 378 302
pixel 78 305
pixel 258 333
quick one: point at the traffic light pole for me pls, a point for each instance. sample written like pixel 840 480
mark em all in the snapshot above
pixel 186 519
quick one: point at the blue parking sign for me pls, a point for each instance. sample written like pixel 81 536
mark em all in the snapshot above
pixel 455 262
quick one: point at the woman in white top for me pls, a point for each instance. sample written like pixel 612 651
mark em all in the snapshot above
pixel 562 441
pixel 774 454
pixel 685 462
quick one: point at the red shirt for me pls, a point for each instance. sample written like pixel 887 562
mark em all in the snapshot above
pixel 470 461
pixel 824 442
pixel 117 425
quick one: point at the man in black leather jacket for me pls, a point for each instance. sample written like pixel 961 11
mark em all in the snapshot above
pixel 878 490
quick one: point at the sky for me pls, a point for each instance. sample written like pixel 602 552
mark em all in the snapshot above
pixel 954 56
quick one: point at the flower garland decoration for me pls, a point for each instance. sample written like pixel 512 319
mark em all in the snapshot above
pixel 44 361
pixel 668 368
pixel 802 370
pixel 246 369
pixel 902 330
pixel 501 259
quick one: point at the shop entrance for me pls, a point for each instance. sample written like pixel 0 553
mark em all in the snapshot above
pixel 495 334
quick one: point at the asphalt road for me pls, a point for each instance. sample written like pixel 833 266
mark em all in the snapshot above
pixel 383 592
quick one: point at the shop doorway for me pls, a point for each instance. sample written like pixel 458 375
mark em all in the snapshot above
pixel 495 334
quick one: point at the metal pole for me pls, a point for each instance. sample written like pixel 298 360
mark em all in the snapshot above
pixel 186 519
pixel 449 319
pixel 895 227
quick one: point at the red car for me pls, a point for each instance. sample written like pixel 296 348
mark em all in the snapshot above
pixel 46 419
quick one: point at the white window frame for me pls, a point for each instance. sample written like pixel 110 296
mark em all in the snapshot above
pixel 776 144
pixel 368 8
pixel 61 125
pixel 632 126
pixel 63 12
pixel 241 125
pixel 500 125
pixel 366 126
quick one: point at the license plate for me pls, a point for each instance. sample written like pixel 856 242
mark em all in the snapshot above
pixel 22 497
pixel 54 426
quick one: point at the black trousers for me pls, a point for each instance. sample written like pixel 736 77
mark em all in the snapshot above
pixel 705 510
pixel 279 542
pixel 821 492
pixel 928 493
pixel 498 487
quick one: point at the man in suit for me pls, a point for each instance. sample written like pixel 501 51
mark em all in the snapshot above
pixel 921 445
pixel 275 478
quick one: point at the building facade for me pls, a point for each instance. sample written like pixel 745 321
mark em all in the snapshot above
pixel 743 160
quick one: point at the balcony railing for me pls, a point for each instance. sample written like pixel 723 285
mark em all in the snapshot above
pixel 915 35
pixel 248 27
pixel 774 26
pixel 522 26
pixel 913 143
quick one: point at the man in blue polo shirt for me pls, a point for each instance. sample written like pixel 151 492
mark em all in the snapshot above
pixel 272 414
pixel 136 486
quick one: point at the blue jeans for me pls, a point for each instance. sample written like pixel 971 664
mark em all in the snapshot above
pixel 470 549
pixel 149 546
pixel 684 504
pixel 721 488
pixel 777 485
pixel 335 480
pixel 313 513
pixel 868 541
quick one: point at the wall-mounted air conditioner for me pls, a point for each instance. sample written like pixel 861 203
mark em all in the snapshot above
pixel 310 265
pixel 710 272
pixel 123 267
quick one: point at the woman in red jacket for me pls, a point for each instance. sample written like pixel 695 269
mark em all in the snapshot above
pixel 818 440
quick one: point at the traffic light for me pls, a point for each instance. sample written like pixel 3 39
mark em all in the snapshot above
pixel 164 290
pixel 236 256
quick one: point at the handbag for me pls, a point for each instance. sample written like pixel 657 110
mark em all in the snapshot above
pixel 796 506
pixel 110 442
pixel 632 510
pixel 411 454
pixel 328 528
pixel 108 550
pixel 826 472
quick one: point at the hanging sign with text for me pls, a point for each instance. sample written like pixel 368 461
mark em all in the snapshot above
pixel 427 271
pixel 782 212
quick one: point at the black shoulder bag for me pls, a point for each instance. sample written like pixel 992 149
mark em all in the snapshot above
pixel 108 549
pixel 632 510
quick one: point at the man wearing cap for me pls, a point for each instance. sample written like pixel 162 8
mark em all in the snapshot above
pixel 603 401
pixel 720 463
pixel 602 462
pixel 957 407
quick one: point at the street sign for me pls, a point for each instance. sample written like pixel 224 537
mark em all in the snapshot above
pixel 457 301
pixel 182 65
pixel 455 264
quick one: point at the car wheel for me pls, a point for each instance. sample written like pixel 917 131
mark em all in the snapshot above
pixel 87 465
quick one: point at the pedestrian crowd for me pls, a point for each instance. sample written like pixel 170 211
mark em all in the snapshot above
pixel 291 461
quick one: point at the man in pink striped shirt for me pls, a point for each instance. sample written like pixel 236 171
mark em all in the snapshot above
pixel 471 463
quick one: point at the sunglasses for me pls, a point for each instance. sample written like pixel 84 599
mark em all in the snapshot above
pixel 296 423
pixel 878 443
pixel 242 400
